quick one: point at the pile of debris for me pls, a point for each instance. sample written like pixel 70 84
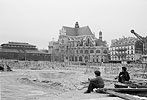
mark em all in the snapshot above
pixel 5 67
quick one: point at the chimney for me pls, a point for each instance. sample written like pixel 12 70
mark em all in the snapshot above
pixel 100 35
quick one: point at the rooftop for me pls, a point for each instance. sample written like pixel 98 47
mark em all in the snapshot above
pixel 123 41
pixel 77 31
pixel 17 44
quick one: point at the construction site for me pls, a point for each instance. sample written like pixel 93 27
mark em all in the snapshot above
pixel 54 80
pixel 73 50
pixel 42 80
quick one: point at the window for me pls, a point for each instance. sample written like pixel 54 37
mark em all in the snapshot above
pixel 76 58
pixel 91 51
pixel 105 51
pixel 81 51
pixel 86 58
pixel 86 51
pixel 97 60
pixel 77 51
pixel 72 58
pixel 131 47
pixel 132 58
pixel 131 52
pixel 97 51
pixel 80 58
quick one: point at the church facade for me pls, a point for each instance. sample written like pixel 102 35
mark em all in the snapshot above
pixel 79 44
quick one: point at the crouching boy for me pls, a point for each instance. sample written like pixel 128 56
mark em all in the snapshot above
pixel 96 82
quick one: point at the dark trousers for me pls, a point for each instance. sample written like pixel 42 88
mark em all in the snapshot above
pixel 121 79
pixel 93 85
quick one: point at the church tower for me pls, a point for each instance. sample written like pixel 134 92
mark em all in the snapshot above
pixel 77 25
pixel 100 35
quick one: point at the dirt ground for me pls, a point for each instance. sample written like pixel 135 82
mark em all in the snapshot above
pixel 47 85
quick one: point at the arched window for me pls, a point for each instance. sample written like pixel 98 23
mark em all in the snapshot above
pixel 80 58
pixel 72 58
pixel 81 51
pixel 96 44
pixel 76 58
pixel 97 51
pixel 87 42
pixel 77 51
pixel 97 60
pixel 91 51
pixel 86 51
pixel 105 51
pixel 86 58
pixel 81 43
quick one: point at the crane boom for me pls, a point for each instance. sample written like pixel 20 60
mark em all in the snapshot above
pixel 138 36
pixel 143 40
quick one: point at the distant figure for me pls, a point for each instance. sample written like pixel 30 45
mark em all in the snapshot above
pixel 97 82
pixel 123 76
pixel 8 68
pixel 1 67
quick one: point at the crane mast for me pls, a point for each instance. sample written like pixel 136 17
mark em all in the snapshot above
pixel 143 40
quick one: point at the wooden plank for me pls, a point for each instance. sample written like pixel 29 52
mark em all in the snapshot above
pixel 131 85
pixel 126 89
pixel 121 95
pixel 105 98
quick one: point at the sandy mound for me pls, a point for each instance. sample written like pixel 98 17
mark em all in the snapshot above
pixel 45 85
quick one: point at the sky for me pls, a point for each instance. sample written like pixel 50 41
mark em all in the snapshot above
pixel 38 21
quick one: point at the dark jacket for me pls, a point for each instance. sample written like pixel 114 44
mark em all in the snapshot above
pixel 98 80
pixel 123 76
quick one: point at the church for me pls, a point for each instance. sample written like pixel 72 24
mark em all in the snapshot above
pixel 79 45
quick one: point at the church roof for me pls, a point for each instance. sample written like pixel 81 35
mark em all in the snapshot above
pixel 84 31
pixel 77 31
pixel 70 31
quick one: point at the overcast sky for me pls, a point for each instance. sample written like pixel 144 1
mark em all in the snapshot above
pixel 38 21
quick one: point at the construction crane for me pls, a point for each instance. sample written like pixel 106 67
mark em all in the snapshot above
pixel 143 40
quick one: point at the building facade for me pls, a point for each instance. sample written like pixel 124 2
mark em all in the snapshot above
pixel 53 50
pixel 79 44
pixel 22 51
pixel 126 50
